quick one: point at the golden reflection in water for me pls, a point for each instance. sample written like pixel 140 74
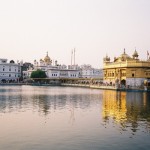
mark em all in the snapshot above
pixel 114 105
pixel 129 109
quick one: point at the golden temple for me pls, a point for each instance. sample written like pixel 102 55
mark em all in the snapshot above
pixel 126 71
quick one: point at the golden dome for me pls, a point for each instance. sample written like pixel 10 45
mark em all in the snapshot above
pixel 123 57
pixel 47 59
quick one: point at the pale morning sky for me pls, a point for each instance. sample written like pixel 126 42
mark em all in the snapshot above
pixel 30 28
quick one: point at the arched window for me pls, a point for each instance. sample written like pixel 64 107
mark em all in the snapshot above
pixel 132 74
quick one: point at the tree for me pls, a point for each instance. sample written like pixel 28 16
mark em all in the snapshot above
pixel 38 74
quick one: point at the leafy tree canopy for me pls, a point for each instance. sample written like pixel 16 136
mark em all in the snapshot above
pixel 38 74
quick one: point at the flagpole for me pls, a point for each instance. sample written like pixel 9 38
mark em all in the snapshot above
pixel 74 56
pixel 147 55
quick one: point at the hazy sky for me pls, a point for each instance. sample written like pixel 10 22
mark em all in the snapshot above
pixel 30 28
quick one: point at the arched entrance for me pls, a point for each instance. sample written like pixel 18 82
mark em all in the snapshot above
pixel 123 82
pixel 3 80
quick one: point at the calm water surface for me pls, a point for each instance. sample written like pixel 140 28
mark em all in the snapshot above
pixel 64 118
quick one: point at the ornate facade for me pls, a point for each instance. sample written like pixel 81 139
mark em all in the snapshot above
pixel 126 71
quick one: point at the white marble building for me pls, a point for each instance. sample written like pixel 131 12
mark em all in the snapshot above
pixel 54 70
pixel 9 71
pixel 87 71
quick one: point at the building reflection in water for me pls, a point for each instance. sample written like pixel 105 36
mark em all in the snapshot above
pixel 130 110
pixel 45 100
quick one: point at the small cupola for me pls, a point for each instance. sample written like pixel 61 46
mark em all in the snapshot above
pixel 106 59
pixel 12 61
pixel 135 55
